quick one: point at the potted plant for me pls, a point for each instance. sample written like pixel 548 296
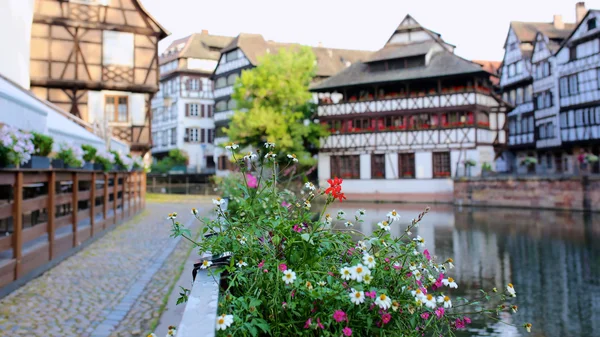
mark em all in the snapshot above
pixel 486 168
pixel 104 161
pixel 71 156
pixel 89 155
pixel 469 163
pixel 16 147
pixel 127 162
pixel 118 161
pixel 42 145
pixel 530 163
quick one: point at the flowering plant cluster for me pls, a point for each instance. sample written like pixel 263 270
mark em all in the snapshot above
pixel 105 158
pixel 71 155
pixel 296 270
pixel 16 147
pixel 127 162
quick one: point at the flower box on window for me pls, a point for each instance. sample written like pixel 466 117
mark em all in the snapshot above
pixel 352 99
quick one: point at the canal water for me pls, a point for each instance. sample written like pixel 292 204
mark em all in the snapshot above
pixel 551 257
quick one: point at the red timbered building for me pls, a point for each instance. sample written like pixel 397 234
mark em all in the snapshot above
pixel 404 121
pixel 98 59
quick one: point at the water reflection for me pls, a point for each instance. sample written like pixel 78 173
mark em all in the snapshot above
pixel 553 258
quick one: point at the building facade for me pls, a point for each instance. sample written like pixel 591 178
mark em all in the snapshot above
pixel 183 108
pixel 244 52
pixel 404 121
pixel 549 74
pixel 98 60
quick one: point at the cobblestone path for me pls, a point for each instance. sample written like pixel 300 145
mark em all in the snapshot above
pixel 114 287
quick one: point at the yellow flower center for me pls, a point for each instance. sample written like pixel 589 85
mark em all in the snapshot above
pixel 346 272
pixel 418 291
pixel 221 321
pixel 450 260
pixel 357 295
pixel 241 262
pixel 385 223
pixel 394 213
pixel 359 270
pixel 450 279
pixel 429 297
pixel 288 275
pixel 446 298
pixel 382 297
pixel 205 263
pixel 370 259
pixel 218 199
pixel 510 285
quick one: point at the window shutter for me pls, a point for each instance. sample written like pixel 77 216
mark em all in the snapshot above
pixel 199 84
pixel 186 138
pixel 202 111
pixel 187 110
pixel 209 112
pixel 202 139
pixel 211 136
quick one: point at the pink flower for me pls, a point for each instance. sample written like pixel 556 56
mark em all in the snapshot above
pixel 350 251
pixel 386 318
pixel 439 312
pixel 266 270
pixel 467 320
pixel 308 323
pixel 330 273
pixel 252 182
pixel 438 283
pixel 426 253
pixel 459 323
pixel 293 293
pixel 261 264
pixel 339 316
pixel 319 323
pixel 285 204
pixel 370 294
pixel 387 260
pixel 397 266
pixel 347 331
pixel 282 267
pixel 297 228
pixel 425 315
pixel 284 305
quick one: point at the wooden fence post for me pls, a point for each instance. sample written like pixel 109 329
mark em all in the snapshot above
pixel 92 204
pixel 105 203
pixel 123 192
pixel 51 212
pixel 18 223
pixel 74 206
pixel 129 182
pixel 115 190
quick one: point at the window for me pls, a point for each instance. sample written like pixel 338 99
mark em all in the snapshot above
pixel 117 48
pixel 519 95
pixel 221 82
pixel 192 109
pixel 441 164
pixel 232 55
pixel 209 110
pixel 513 98
pixel 550 130
pixel 564 86
pixel 511 126
pixel 210 136
pixel 573 53
pixel 591 24
pixel 231 79
pixel 511 70
pixel 195 84
pixel 543 100
pixel 519 67
pixel 528 93
pixel 345 167
pixel 378 166
pixel 221 106
pixel 542 131
pixel 524 125
pixel 166 137
pixel 573 85
pixel 116 108
pixel 224 163
pixel 173 136
pixel 191 135
pixel 406 165
pixel 231 105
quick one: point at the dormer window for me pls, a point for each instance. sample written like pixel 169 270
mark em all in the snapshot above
pixel 401 63
pixel 591 24
pixel 92 2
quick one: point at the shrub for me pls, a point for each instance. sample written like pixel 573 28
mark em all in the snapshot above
pixel 296 271
pixel 71 155
pixel 106 159
pixel 42 144
pixel 486 166
pixel 89 153
pixel 16 147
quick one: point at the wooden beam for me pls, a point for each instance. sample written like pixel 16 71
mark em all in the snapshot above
pixel 48 20
pixel 105 203
pixel 123 193
pixel 51 210
pixel 74 208
pixel 89 85
pixel 115 191
pixel 18 223
pixel 92 203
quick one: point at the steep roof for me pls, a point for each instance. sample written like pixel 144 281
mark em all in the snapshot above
pixel 572 32
pixel 163 31
pixel 491 67
pixel 443 63
pixel 394 51
pixel 198 45
pixel 329 60
pixel 526 31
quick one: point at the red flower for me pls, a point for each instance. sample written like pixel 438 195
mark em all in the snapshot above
pixel 335 189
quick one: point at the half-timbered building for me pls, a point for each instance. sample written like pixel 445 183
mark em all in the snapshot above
pixel 244 52
pixel 527 83
pixel 183 108
pixel 98 59
pixel 578 76
pixel 404 121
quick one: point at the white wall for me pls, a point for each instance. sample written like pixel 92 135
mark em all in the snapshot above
pixel 365 166
pixel 423 165
pixel 15 37
pixel 391 165
pixel 324 167
pixel 374 186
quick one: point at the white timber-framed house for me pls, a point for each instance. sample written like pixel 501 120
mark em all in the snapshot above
pixel 403 122
pixel 183 108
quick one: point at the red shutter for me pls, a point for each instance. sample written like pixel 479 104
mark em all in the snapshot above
pixel 202 111
pixel 187 110
pixel 210 111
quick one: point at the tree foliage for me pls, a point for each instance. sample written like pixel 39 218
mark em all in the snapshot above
pixel 273 99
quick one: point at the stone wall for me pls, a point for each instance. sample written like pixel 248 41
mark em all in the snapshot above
pixel 572 193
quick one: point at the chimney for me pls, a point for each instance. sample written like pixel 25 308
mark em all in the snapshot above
pixel 580 11
pixel 204 32
pixel 320 45
pixel 558 22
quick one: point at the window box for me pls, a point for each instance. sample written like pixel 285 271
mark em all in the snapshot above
pixel 37 162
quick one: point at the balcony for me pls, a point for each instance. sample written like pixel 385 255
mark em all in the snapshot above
pixel 225 91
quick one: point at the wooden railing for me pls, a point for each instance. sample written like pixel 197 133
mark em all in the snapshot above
pixel 45 214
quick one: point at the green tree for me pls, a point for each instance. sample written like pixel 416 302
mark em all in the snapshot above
pixel 273 99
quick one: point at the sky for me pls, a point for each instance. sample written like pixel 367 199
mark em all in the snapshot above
pixel 477 27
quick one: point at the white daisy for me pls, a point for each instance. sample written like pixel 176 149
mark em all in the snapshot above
pixel 242 239
pixel 417 294
pixel 293 157
pixel 271 156
pixel 384 225
pixel 224 321
pixel 383 301
pixel 172 216
pixel 218 201
pixel 340 215
pixel 358 272
pixel 361 245
pixel 206 264
pixel 269 145
pixel 328 219
pixel 393 216
pixel 446 300
pixel 322 283
pixel 367 278
pixel 309 186
pixel 151 335
pixel 429 301
pixel 289 276
pixel 360 212
pixel 511 290
pixel 346 273
pixel 194 211
pixel 417 274
pixel 348 224
pixel 307 204
pixel 450 263
pixel 449 282
pixel 231 146
pixel 369 260
pixel 241 263
pixel 419 240
pixel 250 156
pixel 357 297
